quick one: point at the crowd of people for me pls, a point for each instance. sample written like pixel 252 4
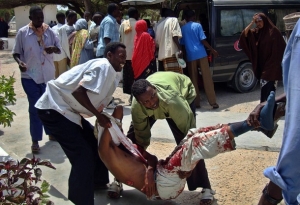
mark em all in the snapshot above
pixel 70 71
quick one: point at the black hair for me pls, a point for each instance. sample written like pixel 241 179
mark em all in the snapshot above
pixel 111 8
pixel 34 9
pixel 112 47
pixel 139 87
pixel 69 11
pixel 71 14
pixel 169 13
pixel 163 11
pixel 132 11
pixel 148 22
pixel 60 15
pixel 189 14
pixel 98 12
pixel 87 12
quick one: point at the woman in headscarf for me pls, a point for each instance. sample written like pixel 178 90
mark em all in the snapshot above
pixel 143 60
pixel 82 47
pixel 264 45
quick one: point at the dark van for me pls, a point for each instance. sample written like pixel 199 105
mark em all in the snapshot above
pixel 223 21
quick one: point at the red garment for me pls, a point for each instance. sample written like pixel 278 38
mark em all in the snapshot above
pixel 144 48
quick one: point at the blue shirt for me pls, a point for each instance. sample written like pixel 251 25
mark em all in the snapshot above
pixel 108 29
pixel 192 35
pixel 40 66
pixel 286 174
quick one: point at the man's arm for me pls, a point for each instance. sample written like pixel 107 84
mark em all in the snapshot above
pixel 81 96
pixel 253 118
pixel 213 51
pixel 22 65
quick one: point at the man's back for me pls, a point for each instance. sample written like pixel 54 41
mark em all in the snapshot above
pixel 127 36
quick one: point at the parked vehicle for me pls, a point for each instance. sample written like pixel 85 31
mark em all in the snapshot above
pixel 223 21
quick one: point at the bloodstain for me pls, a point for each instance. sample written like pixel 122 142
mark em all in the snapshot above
pixel 197 141
pixel 129 183
pixel 174 161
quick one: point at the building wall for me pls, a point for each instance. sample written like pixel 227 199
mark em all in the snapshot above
pixel 22 15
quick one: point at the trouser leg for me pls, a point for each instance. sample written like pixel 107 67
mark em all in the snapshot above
pixel 78 145
pixel 266 88
pixel 34 92
pixel 193 74
pixel 207 81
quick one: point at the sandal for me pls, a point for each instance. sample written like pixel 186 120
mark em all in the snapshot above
pixel 215 106
pixel 115 190
pixel 35 148
pixel 207 197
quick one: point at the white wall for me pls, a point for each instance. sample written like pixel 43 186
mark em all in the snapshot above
pixel 22 15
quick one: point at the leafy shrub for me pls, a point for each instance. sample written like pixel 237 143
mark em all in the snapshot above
pixel 16 182
pixel 7 96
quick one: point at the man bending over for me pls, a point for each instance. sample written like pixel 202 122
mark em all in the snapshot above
pixel 165 179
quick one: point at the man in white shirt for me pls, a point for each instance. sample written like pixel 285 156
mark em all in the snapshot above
pixel 127 34
pixel 167 34
pixel 82 91
pixel 60 60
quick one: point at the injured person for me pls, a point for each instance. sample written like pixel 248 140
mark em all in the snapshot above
pixel 165 179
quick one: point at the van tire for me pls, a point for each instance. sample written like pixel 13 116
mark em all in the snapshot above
pixel 244 79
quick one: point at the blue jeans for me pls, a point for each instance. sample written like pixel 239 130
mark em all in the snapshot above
pixel 34 92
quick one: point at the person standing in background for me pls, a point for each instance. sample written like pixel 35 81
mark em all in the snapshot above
pixel 33 51
pixel 61 60
pixel 194 40
pixel 95 28
pixel 108 29
pixel 127 35
pixel 87 17
pixel 264 46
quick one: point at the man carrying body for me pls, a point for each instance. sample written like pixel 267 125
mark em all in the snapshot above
pixel 165 179
pixel 33 51
pixel 170 96
pixel 82 91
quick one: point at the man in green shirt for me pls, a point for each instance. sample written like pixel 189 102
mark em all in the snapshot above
pixel 170 96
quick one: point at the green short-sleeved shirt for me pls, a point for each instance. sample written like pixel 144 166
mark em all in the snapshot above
pixel 175 92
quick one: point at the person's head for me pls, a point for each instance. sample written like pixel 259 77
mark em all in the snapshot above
pixel 115 52
pixel 133 13
pixel 81 24
pixel 97 18
pixel 148 23
pixel 290 21
pixel 72 18
pixel 119 18
pixel 141 26
pixel 163 12
pixel 87 15
pixel 113 10
pixel 145 94
pixel 61 17
pixel 169 13
pixel 190 15
pixel 258 20
pixel 36 15
pixel 69 11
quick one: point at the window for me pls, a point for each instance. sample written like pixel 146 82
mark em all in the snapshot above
pixel 276 15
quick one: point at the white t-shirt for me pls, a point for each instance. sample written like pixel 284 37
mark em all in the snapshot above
pixel 97 76
pixel 128 38
pixel 166 30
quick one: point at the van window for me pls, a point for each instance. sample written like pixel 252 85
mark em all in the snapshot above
pixel 233 22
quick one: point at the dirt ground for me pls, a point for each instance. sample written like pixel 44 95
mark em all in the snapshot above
pixel 236 176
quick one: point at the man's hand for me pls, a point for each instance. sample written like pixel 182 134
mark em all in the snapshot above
pixel 149 187
pixel 214 52
pixel 22 66
pixel 180 54
pixel 103 121
pixel 51 49
pixel 253 118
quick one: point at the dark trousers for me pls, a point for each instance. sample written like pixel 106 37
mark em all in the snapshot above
pixel 80 146
pixel 266 89
pixel 199 176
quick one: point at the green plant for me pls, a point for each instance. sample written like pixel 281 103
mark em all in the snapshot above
pixel 16 182
pixel 7 96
